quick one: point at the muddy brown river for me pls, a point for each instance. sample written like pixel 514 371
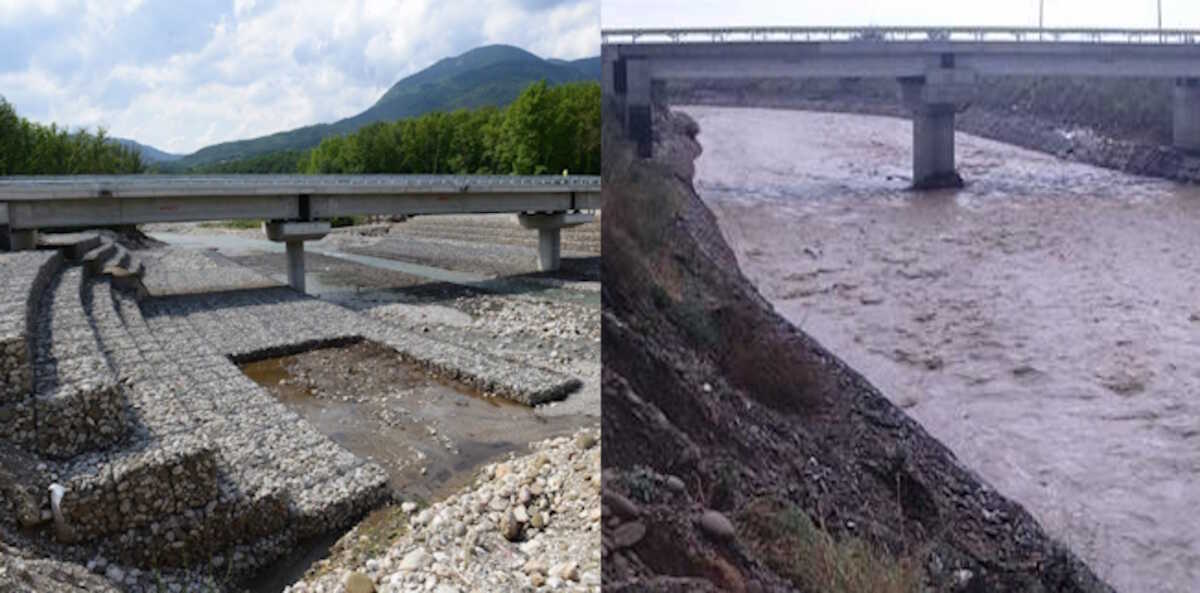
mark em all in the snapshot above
pixel 1043 322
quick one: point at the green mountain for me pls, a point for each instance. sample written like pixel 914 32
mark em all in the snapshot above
pixel 589 66
pixel 489 75
pixel 149 153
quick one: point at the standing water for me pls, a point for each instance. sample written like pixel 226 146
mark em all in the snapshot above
pixel 429 434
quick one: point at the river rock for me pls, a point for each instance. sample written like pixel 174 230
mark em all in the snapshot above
pixel 628 534
pixel 115 574
pixel 716 525
pixel 414 560
pixel 585 440
pixel 357 582
pixel 621 505
pixel 509 527
pixel 676 484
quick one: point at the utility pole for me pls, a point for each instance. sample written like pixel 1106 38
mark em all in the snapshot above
pixel 1160 33
pixel 1041 15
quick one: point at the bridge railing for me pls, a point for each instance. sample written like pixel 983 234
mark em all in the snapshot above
pixel 900 34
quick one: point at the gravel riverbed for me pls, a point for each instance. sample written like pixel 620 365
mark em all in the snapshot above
pixel 529 523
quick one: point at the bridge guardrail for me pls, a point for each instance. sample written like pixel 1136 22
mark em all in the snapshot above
pixel 900 34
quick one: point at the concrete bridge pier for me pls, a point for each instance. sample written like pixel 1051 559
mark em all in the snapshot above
pixel 293 235
pixel 295 264
pixel 933 148
pixel 1186 116
pixel 22 240
pixel 933 100
pixel 629 82
pixel 14 240
pixel 549 227
pixel 638 113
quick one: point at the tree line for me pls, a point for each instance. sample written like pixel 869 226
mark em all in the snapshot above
pixel 546 130
pixel 29 148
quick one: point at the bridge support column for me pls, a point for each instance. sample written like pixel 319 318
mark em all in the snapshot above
pixel 933 100
pixel 933 148
pixel 549 249
pixel 295 265
pixel 293 235
pixel 549 227
pixel 633 78
pixel 1186 116
pixel 22 240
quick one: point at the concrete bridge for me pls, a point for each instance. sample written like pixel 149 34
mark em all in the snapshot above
pixel 296 208
pixel 936 69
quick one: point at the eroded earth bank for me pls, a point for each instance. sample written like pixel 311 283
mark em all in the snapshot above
pixel 174 419
pixel 742 455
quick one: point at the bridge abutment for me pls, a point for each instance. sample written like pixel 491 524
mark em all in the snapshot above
pixel 1186 114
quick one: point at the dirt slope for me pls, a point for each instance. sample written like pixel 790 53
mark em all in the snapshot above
pixel 712 402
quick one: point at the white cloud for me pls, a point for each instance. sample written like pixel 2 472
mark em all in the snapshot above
pixel 182 77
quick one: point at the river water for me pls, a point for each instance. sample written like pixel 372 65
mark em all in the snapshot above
pixel 1043 322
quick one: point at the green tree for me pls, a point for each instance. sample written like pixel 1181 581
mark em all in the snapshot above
pixel 546 130
pixel 28 148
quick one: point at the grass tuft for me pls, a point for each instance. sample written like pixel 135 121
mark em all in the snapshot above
pixel 796 549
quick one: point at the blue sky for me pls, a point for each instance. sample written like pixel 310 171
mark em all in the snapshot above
pixel 183 74
pixel 1184 14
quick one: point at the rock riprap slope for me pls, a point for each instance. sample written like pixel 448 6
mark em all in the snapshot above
pixel 135 447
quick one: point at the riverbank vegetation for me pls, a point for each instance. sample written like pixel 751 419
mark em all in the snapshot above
pixel 788 541
pixel 29 148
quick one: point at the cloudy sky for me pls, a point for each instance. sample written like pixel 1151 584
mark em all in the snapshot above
pixel 183 74
pixel 1184 14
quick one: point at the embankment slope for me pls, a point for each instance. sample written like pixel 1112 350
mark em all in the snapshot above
pixel 713 402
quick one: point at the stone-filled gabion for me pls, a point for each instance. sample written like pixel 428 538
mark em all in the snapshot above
pixel 90 504
pixel 25 275
pixel 83 416
pixel 132 489
pixel 255 323
pixel 19 423
pixel 78 403
pixel 16 378
pixel 168 456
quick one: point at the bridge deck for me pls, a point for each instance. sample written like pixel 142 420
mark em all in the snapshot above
pixel 789 52
pixel 74 201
